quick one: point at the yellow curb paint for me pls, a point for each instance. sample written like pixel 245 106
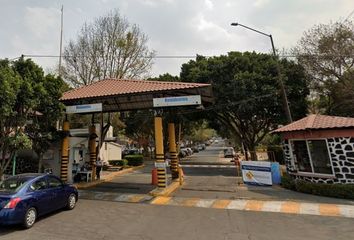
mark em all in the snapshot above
pixel 190 202
pixel 165 192
pixel 161 200
pixel 221 203
pixel 329 210
pixel 290 207
pixel 136 198
pixel 253 205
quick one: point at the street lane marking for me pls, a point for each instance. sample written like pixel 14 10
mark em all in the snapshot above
pixel 190 202
pixel 329 210
pixel 205 203
pixel 290 207
pixel 310 208
pixel 346 211
pixel 272 206
pixel 207 166
pixel 254 205
pixel 237 204
pixel 136 198
pixel 161 200
pixel 221 204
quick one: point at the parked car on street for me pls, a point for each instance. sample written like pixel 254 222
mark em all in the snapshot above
pixel 183 153
pixel 229 152
pixel 201 147
pixel 25 197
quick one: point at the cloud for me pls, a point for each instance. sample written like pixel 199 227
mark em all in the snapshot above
pixel 260 3
pixel 209 4
pixel 41 21
pixel 174 27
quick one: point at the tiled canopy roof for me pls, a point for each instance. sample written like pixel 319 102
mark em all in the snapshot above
pixel 110 87
pixel 318 122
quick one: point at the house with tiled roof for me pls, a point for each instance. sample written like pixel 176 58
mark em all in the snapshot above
pixel 320 148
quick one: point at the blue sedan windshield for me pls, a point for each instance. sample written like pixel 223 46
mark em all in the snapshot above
pixel 13 184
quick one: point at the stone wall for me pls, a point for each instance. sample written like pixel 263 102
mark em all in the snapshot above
pixel 342 155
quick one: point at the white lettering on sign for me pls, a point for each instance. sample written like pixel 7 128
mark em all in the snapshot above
pixel 160 165
pixel 177 101
pixel 85 108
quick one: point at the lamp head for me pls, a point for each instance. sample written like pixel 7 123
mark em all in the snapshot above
pixel 234 24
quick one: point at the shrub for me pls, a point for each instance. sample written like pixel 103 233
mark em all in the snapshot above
pixel 135 160
pixel 321 189
pixel 288 182
pixel 122 162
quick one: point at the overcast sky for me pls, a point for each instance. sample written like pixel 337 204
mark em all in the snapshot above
pixel 174 27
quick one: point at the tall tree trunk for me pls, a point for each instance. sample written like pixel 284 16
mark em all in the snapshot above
pixel 40 162
pixel 253 152
pixel 1 173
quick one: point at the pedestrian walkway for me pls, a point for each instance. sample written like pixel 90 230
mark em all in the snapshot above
pixel 207 166
pixel 289 207
pixel 134 182
pixel 114 196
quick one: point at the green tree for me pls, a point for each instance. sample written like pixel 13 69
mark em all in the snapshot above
pixel 30 111
pixel 326 51
pixel 247 97
pixel 139 126
pixel 166 77
pixel 110 47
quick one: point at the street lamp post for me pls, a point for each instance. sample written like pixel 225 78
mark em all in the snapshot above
pixel 284 96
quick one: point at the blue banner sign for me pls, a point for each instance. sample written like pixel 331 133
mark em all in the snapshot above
pixel 256 172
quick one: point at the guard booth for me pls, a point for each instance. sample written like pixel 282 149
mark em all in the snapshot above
pixel 117 95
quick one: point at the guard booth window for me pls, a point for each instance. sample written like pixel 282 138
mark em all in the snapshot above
pixel 312 156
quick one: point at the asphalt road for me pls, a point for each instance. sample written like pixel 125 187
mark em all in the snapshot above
pixel 97 219
pixel 112 220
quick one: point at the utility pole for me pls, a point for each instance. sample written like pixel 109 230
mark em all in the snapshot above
pixel 61 38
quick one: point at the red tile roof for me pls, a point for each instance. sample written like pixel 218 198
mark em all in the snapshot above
pixel 318 122
pixel 109 87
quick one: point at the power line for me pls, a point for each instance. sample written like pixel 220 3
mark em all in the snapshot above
pixel 183 56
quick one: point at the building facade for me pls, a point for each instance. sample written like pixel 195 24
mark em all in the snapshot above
pixel 320 149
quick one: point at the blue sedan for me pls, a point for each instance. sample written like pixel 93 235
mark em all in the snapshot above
pixel 25 197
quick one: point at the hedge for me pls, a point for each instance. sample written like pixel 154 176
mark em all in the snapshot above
pixel 135 160
pixel 321 189
pixel 122 162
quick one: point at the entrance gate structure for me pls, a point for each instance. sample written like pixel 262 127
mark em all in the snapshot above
pixel 117 95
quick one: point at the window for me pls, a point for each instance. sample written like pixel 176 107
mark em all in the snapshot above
pixel 54 182
pixel 39 185
pixel 311 156
pixel 12 184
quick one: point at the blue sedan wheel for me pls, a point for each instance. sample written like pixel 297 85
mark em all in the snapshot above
pixel 71 201
pixel 30 217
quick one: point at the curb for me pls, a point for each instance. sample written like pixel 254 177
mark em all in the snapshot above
pixel 107 178
pixel 165 192
pixel 285 207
